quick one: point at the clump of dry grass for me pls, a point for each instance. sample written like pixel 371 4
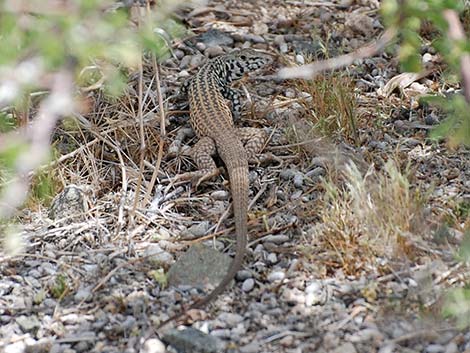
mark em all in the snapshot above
pixel 373 215
pixel 329 103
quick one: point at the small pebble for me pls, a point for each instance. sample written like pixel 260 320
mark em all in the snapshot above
pixel 434 348
pixel 300 59
pixel 179 54
pixel 287 174
pixel 276 239
pixel 153 345
pixel 279 39
pixel 199 229
pixel 248 285
pixel 345 348
pixel 283 48
pixel 243 275
pixel 156 255
pixel 272 258
pixel 230 319
pixel 298 180
pixel 200 46
pixel 84 294
pixel 196 60
pixel 276 276
pixel 451 348
pixel 212 52
pixel 184 63
pixel 183 74
pixel 220 195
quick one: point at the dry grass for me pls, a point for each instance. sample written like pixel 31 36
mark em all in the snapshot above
pixel 374 215
pixel 330 105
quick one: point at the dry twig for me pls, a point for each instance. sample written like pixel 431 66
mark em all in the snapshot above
pixel 311 70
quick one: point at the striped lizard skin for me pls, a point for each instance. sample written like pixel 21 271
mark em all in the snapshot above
pixel 212 120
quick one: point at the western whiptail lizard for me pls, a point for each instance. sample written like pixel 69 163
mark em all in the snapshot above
pixel 212 120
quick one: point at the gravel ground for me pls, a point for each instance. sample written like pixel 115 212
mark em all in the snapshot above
pixel 88 282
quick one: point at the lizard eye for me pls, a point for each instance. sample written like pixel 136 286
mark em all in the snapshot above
pixel 243 57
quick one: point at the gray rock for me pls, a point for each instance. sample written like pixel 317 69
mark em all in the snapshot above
pixel 360 23
pixel 283 48
pixel 28 323
pixel 272 258
pixel 191 340
pixel 220 195
pixel 196 60
pixel 316 172
pixel 451 348
pixel 16 347
pixel 310 48
pixel 82 346
pixel 279 39
pixel 287 174
pixel 244 274
pixel 179 54
pixel 215 37
pixel 157 256
pixel 298 180
pixel 248 285
pixel 184 63
pixel 276 239
pixel 434 348
pixel 254 38
pixel 199 266
pixel 153 345
pixel 276 276
pixel 252 347
pixel 345 348
pixel 299 58
pixel 230 319
pixel 431 119
pixel 214 51
pixel 199 229
pixel 84 294
pixel 201 46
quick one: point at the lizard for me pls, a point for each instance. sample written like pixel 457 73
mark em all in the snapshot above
pixel 213 122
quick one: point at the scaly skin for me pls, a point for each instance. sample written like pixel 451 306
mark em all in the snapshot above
pixel 211 119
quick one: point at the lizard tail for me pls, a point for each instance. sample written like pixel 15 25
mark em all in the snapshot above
pixel 239 186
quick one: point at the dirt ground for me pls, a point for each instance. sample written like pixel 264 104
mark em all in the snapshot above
pixel 354 232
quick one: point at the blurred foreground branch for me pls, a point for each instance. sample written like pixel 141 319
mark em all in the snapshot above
pixel 35 141
pixel 456 32
pixel 311 70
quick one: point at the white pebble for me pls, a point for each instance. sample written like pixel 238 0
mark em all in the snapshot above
pixel 248 285
pixel 153 345
pixel 300 59
pixel 276 276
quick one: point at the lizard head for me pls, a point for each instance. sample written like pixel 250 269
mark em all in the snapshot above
pixel 245 60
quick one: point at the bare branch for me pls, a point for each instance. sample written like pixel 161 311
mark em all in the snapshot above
pixel 311 70
pixel 457 33
pixel 36 140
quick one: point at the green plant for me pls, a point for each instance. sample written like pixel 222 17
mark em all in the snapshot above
pixel 408 17
pixel 330 105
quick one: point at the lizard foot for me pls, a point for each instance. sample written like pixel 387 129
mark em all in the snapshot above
pixel 197 177
pixel 265 159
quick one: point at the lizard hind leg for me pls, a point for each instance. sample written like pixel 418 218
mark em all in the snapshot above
pixel 201 153
pixel 254 139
